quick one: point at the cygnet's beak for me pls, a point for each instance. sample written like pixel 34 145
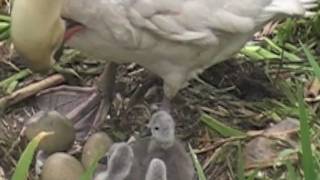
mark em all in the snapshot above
pixel 146 131
pixel 104 160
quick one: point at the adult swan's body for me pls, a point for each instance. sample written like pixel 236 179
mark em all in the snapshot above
pixel 175 39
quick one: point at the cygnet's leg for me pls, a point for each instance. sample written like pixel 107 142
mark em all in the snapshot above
pixel 157 170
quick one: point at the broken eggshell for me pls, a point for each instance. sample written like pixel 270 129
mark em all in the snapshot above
pixel 52 121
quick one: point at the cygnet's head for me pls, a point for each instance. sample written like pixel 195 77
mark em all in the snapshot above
pixel 120 163
pixel 157 170
pixel 162 128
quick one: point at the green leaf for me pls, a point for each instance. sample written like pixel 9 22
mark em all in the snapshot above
pixel 220 127
pixel 253 175
pixel 66 71
pixel 307 159
pixel 12 86
pixel 4 26
pixel 88 174
pixel 5 35
pixel 21 172
pixel 291 173
pixel 16 77
pixel 312 60
pixel 286 54
pixel 200 173
pixel 5 18
pixel 259 53
pixel 240 164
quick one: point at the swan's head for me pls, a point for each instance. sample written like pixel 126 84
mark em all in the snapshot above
pixel 162 128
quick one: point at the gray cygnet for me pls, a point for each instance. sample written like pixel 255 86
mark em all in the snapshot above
pixel 157 170
pixel 120 163
pixel 161 145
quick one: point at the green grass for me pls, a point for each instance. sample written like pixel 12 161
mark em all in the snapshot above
pixel 196 163
pixel 308 162
pixel 220 127
pixel 312 60
pixel 307 158
pixel 4 27
pixel 292 175
pixel 240 168
pixel 22 170
pixel 88 174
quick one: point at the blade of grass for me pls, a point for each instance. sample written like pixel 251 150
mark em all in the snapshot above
pixel 253 175
pixel 317 161
pixel 291 173
pixel 251 52
pixel 307 159
pixel 288 92
pixel 12 86
pixel 286 54
pixel 4 26
pixel 5 35
pixel 220 127
pixel 312 60
pixel 88 174
pixel 21 172
pixel 240 164
pixel 258 53
pixel 200 173
pixel 5 18
pixel 16 77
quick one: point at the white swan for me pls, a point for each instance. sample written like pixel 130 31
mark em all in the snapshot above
pixel 175 39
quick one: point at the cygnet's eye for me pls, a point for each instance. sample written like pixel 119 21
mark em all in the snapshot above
pixel 156 128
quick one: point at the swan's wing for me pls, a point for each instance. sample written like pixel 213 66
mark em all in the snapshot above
pixel 205 21
pixel 199 22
